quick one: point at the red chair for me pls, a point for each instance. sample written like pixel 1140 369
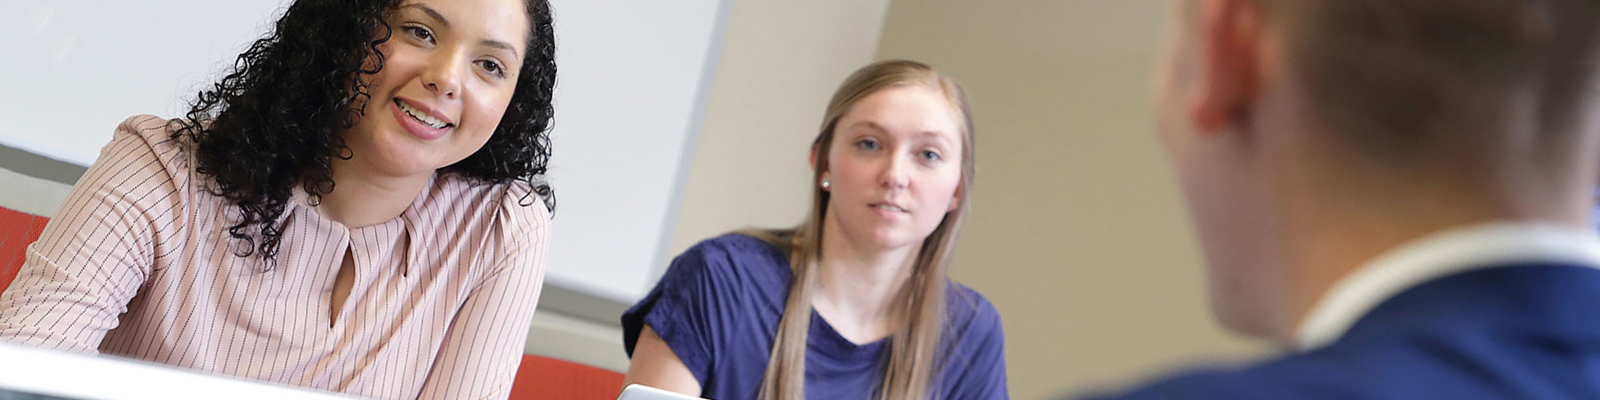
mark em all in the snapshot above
pixel 542 378
pixel 17 230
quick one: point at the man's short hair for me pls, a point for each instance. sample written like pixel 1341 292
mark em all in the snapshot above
pixel 1386 73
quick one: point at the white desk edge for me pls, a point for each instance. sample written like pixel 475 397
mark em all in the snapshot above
pixel 63 374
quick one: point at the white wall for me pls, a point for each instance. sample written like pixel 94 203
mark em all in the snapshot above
pixel 780 64
pixel 76 68
pixel 629 98
pixel 632 74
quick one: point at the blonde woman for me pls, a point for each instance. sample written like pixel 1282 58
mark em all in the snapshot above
pixel 854 303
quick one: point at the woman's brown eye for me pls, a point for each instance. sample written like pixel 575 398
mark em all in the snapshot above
pixel 494 68
pixel 419 33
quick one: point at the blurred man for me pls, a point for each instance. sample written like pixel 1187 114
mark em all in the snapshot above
pixel 1396 190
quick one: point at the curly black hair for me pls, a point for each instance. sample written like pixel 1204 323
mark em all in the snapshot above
pixel 273 122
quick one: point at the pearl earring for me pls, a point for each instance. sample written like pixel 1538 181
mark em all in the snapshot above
pixel 827 184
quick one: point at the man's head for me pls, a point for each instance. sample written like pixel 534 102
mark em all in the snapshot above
pixel 1294 123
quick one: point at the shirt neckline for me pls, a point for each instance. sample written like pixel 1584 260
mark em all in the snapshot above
pixel 840 346
pixel 1440 254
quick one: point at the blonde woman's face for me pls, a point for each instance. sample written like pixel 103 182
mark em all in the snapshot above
pixel 894 167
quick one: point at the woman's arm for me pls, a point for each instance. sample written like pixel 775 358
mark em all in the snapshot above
pixel 98 250
pixel 655 365
pixel 674 334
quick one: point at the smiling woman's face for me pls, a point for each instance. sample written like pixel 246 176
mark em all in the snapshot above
pixel 449 71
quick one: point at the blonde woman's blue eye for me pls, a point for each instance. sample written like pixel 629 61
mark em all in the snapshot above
pixel 931 155
pixel 867 145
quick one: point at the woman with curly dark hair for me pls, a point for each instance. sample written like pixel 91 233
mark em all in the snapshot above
pixel 358 206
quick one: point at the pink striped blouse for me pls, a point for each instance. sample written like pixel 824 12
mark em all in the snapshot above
pixel 138 263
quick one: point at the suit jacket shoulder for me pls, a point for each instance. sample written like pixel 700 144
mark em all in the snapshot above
pixel 1511 332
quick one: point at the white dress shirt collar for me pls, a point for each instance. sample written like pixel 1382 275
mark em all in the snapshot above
pixel 1437 255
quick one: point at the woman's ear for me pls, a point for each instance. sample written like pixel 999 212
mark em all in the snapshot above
pixel 955 199
pixel 813 160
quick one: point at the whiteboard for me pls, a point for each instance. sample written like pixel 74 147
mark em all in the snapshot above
pixel 633 75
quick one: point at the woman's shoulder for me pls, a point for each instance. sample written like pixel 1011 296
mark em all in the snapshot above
pixel 144 156
pixel 520 209
pixel 737 253
pixel 496 222
pixel 728 272
pixel 511 207
pixel 736 244
pixel 733 262
pixel 968 309
pixel 147 134
pixel 974 346
pixel 150 126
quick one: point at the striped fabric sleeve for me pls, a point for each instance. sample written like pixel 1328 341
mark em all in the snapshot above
pixel 485 341
pixel 95 254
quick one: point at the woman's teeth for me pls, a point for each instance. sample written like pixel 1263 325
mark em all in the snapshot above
pixel 420 116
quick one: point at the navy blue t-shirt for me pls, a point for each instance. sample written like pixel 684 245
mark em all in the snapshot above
pixel 718 308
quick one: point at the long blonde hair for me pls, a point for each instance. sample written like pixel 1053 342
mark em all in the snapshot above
pixel 914 349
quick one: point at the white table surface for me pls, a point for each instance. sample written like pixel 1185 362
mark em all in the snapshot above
pixel 38 371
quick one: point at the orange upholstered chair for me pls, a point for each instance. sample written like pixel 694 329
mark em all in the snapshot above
pixel 17 230
pixel 542 378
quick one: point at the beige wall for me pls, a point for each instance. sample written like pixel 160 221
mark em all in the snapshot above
pixel 1078 234
pixel 780 62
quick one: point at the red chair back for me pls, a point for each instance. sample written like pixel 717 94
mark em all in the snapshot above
pixel 541 378
pixel 17 231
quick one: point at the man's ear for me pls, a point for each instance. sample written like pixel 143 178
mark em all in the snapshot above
pixel 1231 40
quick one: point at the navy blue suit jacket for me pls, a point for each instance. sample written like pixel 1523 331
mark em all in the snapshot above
pixel 1519 332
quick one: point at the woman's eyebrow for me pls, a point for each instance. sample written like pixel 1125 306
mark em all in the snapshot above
pixel 431 13
pixel 445 23
pixel 491 43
